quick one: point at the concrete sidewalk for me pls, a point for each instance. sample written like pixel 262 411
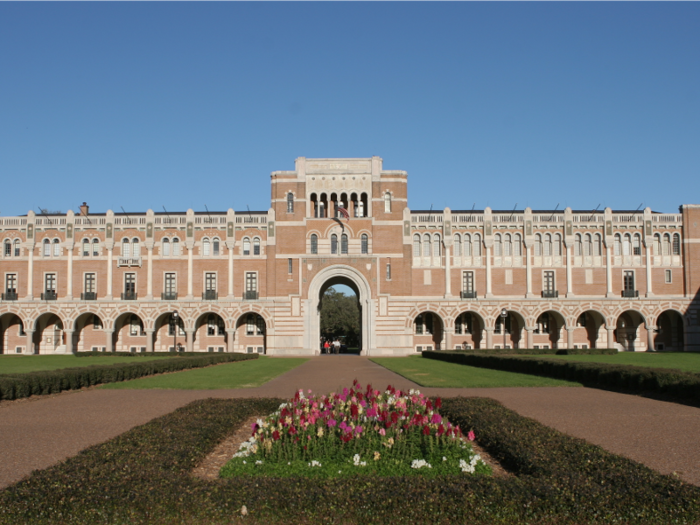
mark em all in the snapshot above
pixel 40 432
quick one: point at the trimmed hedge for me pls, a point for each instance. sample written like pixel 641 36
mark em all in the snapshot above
pixel 671 384
pixel 142 477
pixel 139 354
pixel 15 386
pixel 536 351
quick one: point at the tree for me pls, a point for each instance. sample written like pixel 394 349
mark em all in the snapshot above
pixel 340 316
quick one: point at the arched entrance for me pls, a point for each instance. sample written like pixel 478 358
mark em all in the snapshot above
pixel 341 321
pixel 49 335
pixel 335 275
pixel 13 338
pixel 669 332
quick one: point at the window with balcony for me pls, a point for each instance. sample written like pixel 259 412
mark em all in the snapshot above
pixel 548 285
pixel 49 287
pixel 251 286
pixel 89 287
pixel 170 286
pixel 126 248
pixel 468 291
pixel 210 292
pixel 629 290
pixel 10 287
pixel 136 247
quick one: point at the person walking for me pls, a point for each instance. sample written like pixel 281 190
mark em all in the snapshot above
pixel 336 346
pixel 326 347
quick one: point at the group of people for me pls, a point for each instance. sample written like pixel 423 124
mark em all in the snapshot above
pixel 330 347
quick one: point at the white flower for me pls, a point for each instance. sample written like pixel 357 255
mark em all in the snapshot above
pixel 258 462
pixel 314 463
pixel 420 463
pixel 444 458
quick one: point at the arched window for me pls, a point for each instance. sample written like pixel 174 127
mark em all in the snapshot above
pixel 56 247
pixel 577 245
pixel 256 246
pixel 497 245
pixel 215 246
pixel 626 244
pixel 387 202
pixel 290 202
pixel 7 251
pixel 618 244
pixel 436 246
pixel 636 244
pixel 556 245
pixel 538 245
pixel 507 246
pixel 517 245
pixel 476 245
pixel 458 245
pixel 587 245
pixel 136 247
pixel 86 247
pixel 17 247
pixel 334 244
pixel 314 243
pixel 547 244
pixel 95 247
pixel 597 245
pixel 344 244
pixel 667 244
pixel 426 245
pixel 126 248
pixel 416 245
pixel 165 250
pixel 176 247
pixel 364 240
pixel 246 246
pixel 47 248
pixel 676 244
pixel 206 247
pixel 467 245
pixel 657 244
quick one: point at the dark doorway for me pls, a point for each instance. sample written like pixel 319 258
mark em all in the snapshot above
pixel 341 317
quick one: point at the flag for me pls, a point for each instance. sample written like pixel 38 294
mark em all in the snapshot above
pixel 344 213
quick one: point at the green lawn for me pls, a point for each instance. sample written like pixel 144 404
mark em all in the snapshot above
pixel 690 362
pixel 434 373
pixel 243 374
pixel 21 364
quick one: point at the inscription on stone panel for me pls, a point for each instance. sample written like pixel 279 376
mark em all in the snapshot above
pixel 339 167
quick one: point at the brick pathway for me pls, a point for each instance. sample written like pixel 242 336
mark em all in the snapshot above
pixel 39 432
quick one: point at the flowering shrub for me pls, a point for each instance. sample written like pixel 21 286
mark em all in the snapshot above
pixel 356 431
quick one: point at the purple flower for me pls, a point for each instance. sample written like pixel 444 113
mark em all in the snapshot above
pixel 358 430
pixel 436 419
pixel 332 422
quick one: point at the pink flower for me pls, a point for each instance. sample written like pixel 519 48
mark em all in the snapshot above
pixel 470 435
pixel 358 430
pixel 331 422
pixel 436 419
pixel 382 432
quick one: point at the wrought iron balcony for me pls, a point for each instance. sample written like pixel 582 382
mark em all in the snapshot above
pixel 550 294
pixel 88 296
pixel 210 295
pixel 9 296
pixel 169 296
pixel 129 296
pixel 250 296
pixel 468 295
pixel 49 296
pixel 630 293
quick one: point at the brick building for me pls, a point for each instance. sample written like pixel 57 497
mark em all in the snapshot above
pixel 252 281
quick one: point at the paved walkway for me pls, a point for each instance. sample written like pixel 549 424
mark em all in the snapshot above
pixel 40 432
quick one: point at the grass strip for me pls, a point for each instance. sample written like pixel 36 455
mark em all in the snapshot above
pixel 667 384
pixel 434 373
pixel 23 364
pixel 17 386
pixel 247 374
pixel 142 477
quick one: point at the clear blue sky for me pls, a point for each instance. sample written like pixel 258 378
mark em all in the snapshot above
pixel 184 105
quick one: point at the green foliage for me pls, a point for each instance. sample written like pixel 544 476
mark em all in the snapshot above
pixel 340 315
pixel 675 385
pixel 21 364
pixel 142 477
pixel 537 351
pixel 15 386
pixel 686 361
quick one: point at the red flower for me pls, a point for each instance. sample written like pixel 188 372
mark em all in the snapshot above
pixel 441 430
pixel 438 403
pixel 275 435
pixel 292 430
pixel 426 430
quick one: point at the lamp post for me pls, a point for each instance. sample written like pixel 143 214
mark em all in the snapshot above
pixel 175 318
pixel 504 314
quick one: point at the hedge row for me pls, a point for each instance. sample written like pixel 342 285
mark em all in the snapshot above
pixel 537 351
pixel 15 386
pixel 671 384
pixel 139 354
pixel 142 477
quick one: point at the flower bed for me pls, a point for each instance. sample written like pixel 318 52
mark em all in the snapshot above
pixel 358 431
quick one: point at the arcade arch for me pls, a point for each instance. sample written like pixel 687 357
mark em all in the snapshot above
pixel 468 331
pixel 13 338
pixel 49 337
pixel 669 333
pixel 88 333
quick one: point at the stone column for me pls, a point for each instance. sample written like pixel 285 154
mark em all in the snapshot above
pixel 487 251
pixel 448 280
pixel 69 341
pixel 149 285
pixel 190 340
pixel 110 263
pixel 149 340
pixel 611 337
pixel 30 342
pixel 570 337
pixel 530 338
pixel 650 338
pixel 528 273
pixel 69 280
pixel 30 273
pixel 489 338
pixel 569 282
pixel 230 338
pixel 608 270
pixel 448 339
pixel 108 340
pixel 647 251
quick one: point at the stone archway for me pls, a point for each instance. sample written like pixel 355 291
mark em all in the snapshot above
pixel 326 278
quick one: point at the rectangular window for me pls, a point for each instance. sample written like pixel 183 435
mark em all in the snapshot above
pixel 250 325
pixel 251 282
pixel 210 282
pixel 468 282
pixel 290 266
pixel 170 283
pixel 669 276
pixel 129 283
pixel 50 283
pixel 388 272
pixel 89 286
pixel 628 280
pixel 11 283
pixel 548 282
